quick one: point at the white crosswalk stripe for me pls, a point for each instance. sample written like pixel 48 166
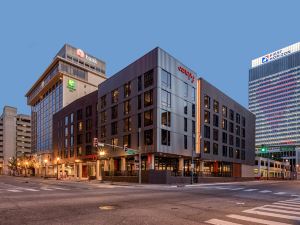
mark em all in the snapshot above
pixel 255 220
pixel 280 193
pixel 249 190
pixel 14 190
pixel 265 191
pixel 286 211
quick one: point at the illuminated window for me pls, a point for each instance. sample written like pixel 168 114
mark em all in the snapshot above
pixel 127 89
pixel 127 107
pixel 216 106
pixel 127 124
pixel 206 147
pixel 114 96
pixel 166 118
pixel 148 98
pixel 148 117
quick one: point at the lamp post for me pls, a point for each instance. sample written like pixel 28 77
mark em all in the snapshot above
pixel 101 154
pixel 57 159
pixel 45 167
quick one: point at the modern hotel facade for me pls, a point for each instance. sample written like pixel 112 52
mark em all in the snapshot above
pixel 155 95
pixel 274 96
pixel 157 105
pixel 15 137
pixel 71 75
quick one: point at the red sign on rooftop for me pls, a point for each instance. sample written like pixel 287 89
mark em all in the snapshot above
pixel 187 73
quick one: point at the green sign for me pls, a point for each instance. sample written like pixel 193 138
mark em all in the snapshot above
pixel 287 148
pixel 131 152
pixel 71 85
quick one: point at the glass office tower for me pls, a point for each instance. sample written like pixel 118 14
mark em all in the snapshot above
pixel 274 97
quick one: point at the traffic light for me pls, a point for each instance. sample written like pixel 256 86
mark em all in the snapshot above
pixel 95 142
pixel 263 148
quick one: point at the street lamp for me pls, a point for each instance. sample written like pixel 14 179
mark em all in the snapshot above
pixel 57 159
pixel 45 161
pixel 101 154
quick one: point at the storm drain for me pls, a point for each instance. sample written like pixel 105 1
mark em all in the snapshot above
pixel 107 207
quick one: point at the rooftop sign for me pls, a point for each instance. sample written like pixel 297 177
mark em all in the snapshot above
pixel 83 55
pixel 187 73
pixel 276 55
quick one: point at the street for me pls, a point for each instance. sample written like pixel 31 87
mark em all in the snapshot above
pixel 38 201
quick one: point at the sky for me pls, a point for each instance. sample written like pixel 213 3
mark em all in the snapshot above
pixel 216 38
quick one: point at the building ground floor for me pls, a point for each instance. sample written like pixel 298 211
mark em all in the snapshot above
pixel 154 166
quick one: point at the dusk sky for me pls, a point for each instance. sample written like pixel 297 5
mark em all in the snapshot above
pixel 217 39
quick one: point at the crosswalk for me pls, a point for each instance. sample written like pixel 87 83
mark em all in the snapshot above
pixel 279 213
pixel 246 190
pixel 16 189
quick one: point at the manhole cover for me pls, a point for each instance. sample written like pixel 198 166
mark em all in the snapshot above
pixel 107 207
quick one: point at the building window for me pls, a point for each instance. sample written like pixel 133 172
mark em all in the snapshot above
pixel 243 155
pixel 103 131
pixel 224 111
pixel 237 118
pixel 215 134
pixel 114 96
pixel 80 126
pixel 224 124
pixel 127 124
pixel 114 128
pixel 66 131
pixel 224 152
pixel 148 98
pixel 206 116
pixel 230 152
pixel 72 118
pixel 165 137
pixel 185 124
pixel 237 130
pixel 185 107
pixel 185 142
pixel 206 147
pixel 79 114
pixel 207 101
pixel 148 79
pixel 237 154
pixel 224 137
pixel 139 101
pixel 148 117
pixel 231 139
pixel 88 111
pixel 103 102
pixel 216 106
pixel 215 149
pixel 231 129
pixel 140 83
pixel 243 132
pixel 66 120
pixel 237 142
pixel 193 127
pixel 72 151
pixel 88 137
pixel 127 89
pixel 79 151
pixel 79 139
pixel 166 118
pixel 206 131
pixel 165 79
pixel 243 121
pixel 127 140
pixel 114 142
pixel 139 120
pixel 165 98
pixel 231 114
pixel 103 117
pixel 215 120
pixel 72 129
pixel 148 137
pixel 186 90
pixel 243 144
pixel 193 94
pixel 88 149
pixel 193 110
pixel 127 107
pixel 88 124
pixel 114 112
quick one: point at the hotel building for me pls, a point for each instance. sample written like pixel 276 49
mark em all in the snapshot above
pixel 71 75
pixel 274 96
pixel 158 106
pixel 15 136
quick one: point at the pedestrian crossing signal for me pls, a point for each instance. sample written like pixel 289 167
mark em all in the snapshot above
pixel 95 142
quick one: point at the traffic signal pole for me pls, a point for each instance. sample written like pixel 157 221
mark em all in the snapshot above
pixel 140 158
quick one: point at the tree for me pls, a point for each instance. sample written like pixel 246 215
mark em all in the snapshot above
pixel 12 164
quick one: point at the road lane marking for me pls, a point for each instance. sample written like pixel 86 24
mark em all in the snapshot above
pixel 265 191
pixel 251 211
pixel 223 188
pixel 14 190
pixel 46 189
pixel 30 189
pixel 59 188
pixel 280 193
pixel 255 220
pixel 249 190
pixel 236 189
pixel 279 210
pixel 221 222
pixel 286 204
pixel 292 202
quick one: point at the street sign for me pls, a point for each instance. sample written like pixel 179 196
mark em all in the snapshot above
pixel 131 152
pixel 287 148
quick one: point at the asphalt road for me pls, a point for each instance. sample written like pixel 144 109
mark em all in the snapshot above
pixel 38 201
